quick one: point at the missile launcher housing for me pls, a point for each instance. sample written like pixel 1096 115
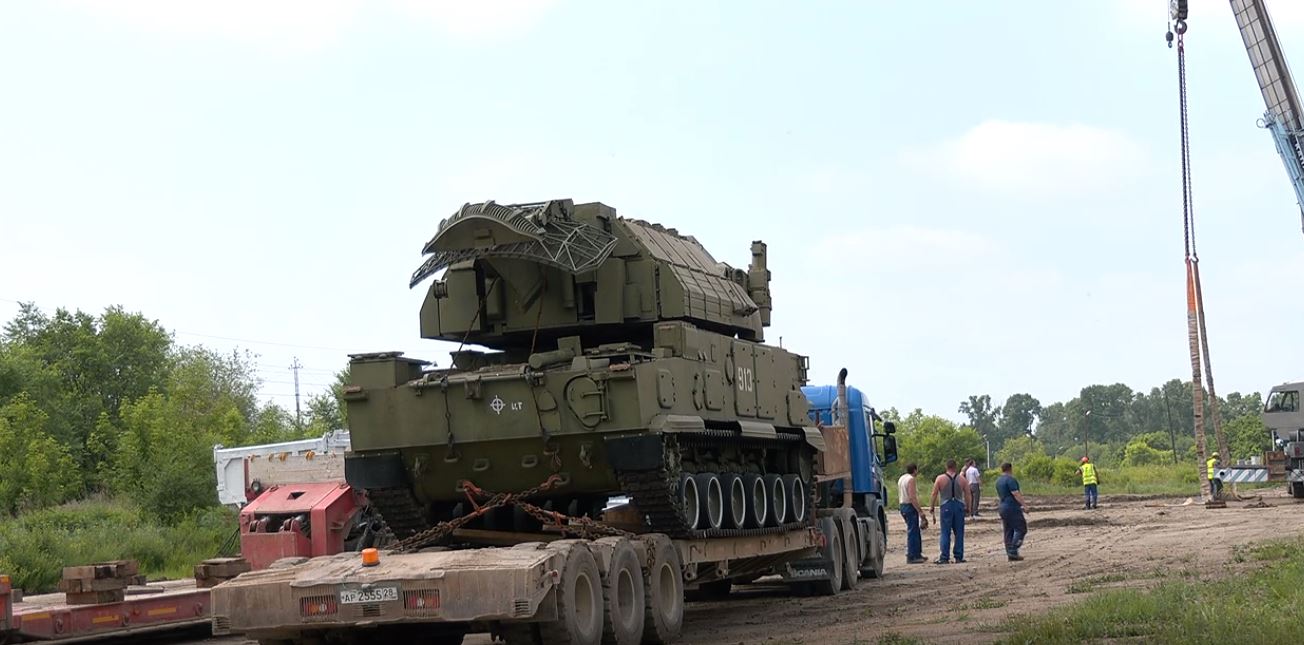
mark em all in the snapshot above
pixel 614 353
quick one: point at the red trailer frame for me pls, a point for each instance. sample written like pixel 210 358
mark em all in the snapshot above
pixel 163 605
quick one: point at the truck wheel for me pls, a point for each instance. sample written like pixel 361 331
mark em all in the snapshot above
pixel 832 554
pixel 579 602
pixel 872 565
pixel 850 552
pixel 622 592
pixel 663 593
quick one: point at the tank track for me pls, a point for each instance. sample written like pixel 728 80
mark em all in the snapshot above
pixel 654 491
pixel 399 511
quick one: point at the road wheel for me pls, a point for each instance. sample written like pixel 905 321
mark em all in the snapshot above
pixel 758 506
pixel 690 499
pixel 710 500
pixel 832 554
pixel 622 592
pixel 876 554
pixel 735 500
pixel 798 500
pixel 850 550
pixel 776 496
pixel 663 593
pixel 579 602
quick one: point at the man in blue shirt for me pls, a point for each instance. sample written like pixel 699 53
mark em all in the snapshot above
pixel 1011 511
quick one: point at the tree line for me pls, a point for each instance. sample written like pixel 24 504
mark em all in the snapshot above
pixel 1114 424
pixel 112 404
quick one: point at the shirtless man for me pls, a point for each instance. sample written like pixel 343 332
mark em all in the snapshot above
pixel 952 490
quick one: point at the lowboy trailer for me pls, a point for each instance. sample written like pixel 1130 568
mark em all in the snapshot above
pixel 624 590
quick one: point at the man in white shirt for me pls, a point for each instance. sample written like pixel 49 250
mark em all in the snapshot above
pixel 912 514
pixel 975 479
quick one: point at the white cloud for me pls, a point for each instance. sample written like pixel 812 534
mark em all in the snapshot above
pixel 1036 159
pixel 308 25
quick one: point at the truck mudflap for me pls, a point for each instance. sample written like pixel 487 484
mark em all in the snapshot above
pixel 483 584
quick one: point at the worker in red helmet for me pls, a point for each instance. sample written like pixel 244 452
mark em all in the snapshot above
pixel 1089 482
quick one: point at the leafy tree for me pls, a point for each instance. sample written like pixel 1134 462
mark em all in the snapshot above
pixel 982 417
pixel 1247 436
pixel 327 412
pixel 1237 405
pixel 929 441
pixel 36 469
pixel 1018 416
pixel 1018 450
pixel 164 458
pixel 77 367
pixel 1141 451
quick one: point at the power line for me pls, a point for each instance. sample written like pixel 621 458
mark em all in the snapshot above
pixel 264 342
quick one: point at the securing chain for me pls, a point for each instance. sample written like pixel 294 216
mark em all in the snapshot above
pixel 483 501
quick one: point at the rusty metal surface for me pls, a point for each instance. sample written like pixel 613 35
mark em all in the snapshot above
pixel 462 585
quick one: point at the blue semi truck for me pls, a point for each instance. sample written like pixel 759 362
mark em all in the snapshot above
pixel 871 442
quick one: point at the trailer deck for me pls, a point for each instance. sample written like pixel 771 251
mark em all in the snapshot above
pixel 153 607
pixel 504 588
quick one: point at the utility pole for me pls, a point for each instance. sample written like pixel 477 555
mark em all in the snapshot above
pixel 1086 429
pixel 298 415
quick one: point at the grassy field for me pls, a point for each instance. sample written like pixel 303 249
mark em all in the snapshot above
pixel 34 547
pixel 1263 606
pixel 1159 479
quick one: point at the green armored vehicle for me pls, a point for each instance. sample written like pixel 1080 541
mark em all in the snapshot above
pixel 624 359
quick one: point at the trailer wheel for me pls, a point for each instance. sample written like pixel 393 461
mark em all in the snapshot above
pixel 579 602
pixel 873 563
pixel 833 556
pixel 623 590
pixel 663 593
pixel 850 550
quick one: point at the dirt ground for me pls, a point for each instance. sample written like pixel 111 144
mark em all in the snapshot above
pixel 1128 541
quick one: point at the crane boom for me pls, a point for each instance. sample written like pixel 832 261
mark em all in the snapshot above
pixel 1282 117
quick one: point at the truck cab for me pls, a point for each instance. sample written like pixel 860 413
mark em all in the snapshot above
pixel 872 446
pixel 1284 418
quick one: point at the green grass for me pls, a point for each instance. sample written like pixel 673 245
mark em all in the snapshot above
pixel 1086 585
pixel 1153 479
pixel 35 546
pixel 1262 606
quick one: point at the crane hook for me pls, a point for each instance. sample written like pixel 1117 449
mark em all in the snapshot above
pixel 1181 27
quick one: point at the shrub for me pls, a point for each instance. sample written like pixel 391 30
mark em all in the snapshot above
pixel 35 546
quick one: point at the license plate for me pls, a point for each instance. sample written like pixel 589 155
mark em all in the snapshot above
pixel 374 594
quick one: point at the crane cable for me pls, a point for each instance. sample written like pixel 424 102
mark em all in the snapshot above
pixel 1197 333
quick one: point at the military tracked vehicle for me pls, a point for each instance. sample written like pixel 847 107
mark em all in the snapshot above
pixel 615 353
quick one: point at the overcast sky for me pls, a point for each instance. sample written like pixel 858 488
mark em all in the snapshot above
pixel 958 197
